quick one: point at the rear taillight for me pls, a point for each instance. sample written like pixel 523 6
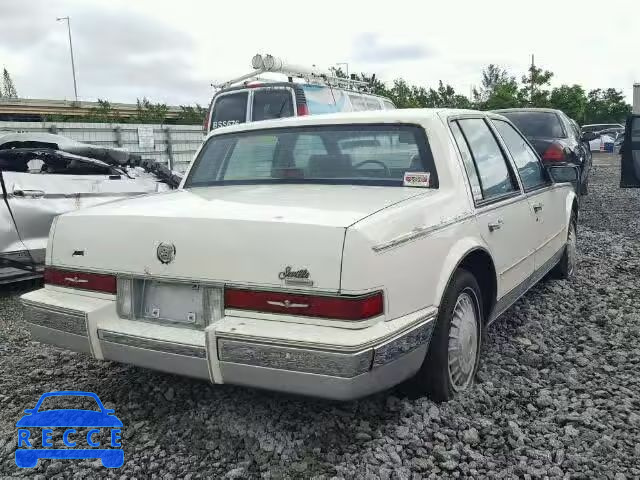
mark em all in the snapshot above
pixel 205 126
pixel 303 109
pixel 97 282
pixel 337 308
pixel 555 153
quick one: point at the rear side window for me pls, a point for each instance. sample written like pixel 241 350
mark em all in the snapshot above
pixel 469 166
pixel 537 124
pixel 388 105
pixel 495 179
pixel 357 102
pixel 272 103
pixel 372 103
pixel 229 109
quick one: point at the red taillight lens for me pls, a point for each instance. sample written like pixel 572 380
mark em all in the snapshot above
pixel 555 153
pixel 338 308
pixel 82 280
pixel 205 126
pixel 303 109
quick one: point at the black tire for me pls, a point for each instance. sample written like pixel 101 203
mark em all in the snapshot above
pixel 584 187
pixel 434 376
pixel 566 267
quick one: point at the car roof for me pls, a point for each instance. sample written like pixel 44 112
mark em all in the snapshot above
pixel 404 115
pixel 276 83
pixel 528 109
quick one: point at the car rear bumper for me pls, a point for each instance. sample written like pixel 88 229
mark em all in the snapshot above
pixel 371 359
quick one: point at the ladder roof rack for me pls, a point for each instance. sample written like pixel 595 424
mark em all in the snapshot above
pixel 270 64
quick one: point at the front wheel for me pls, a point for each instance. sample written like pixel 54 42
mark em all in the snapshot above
pixel 454 351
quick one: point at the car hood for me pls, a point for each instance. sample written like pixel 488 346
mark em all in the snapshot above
pixel 69 418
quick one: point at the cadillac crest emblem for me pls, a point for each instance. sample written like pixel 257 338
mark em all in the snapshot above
pixel 166 252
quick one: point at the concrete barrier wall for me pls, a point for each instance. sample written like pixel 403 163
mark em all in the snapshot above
pixel 173 145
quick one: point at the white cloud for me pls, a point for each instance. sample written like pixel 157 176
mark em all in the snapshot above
pixel 172 50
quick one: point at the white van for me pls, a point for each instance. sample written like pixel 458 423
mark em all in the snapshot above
pixel 258 99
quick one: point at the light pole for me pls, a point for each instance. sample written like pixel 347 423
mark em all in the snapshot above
pixel 73 66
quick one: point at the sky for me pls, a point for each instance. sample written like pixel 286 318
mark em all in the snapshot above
pixel 171 51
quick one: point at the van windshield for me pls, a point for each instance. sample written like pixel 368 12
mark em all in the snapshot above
pixel 343 154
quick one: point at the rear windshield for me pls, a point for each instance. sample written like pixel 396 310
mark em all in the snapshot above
pixel 229 109
pixel 272 103
pixel 537 124
pixel 354 154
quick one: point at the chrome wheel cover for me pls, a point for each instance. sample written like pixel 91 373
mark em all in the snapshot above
pixel 464 340
pixel 571 249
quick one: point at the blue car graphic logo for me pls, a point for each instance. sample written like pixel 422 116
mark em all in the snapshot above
pixel 40 431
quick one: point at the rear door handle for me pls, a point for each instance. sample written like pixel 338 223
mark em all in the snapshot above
pixel 497 225
pixel 537 207
pixel 18 192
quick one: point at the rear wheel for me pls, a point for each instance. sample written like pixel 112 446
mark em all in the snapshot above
pixel 584 186
pixel 454 351
pixel 567 264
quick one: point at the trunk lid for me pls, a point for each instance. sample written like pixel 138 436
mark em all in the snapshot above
pixel 246 235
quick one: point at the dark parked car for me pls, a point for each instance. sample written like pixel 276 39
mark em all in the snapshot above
pixel 557 138
pixel 630 153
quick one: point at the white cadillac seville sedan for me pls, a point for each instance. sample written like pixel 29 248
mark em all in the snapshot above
pixel 330 255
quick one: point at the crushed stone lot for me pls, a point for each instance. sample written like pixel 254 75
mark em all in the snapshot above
pixel 558 393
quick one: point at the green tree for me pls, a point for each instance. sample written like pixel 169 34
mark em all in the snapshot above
pixel 148 112
pixel 605 106
pixel 534 92
pixel 103 113
pixel 8 89
pixel 572 100
pixel 498 89
pixel 191 115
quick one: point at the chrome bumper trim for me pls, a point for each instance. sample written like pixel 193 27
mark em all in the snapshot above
pixel 322 361
pixel 156 360
pixel 77 343
pixel 61 319
pixel 404 343
pixel 297 359
pixel 182 349
pixel 325 386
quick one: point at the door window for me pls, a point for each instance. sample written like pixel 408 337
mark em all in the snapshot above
pixel 495 178
pixel 527 162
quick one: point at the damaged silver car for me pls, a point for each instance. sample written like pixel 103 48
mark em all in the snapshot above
pixel 45 175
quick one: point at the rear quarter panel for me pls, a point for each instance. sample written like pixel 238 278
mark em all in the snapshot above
pixel 415 274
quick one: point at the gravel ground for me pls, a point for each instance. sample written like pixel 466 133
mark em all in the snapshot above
pixel 558 393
